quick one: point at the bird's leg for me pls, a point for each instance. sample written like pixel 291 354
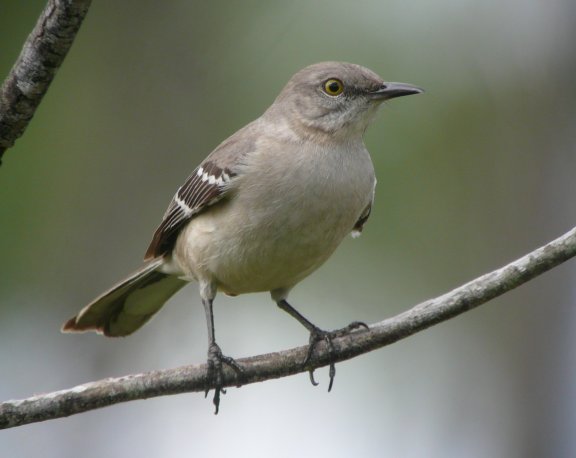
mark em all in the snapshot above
pixel 318 335
pixel 216 358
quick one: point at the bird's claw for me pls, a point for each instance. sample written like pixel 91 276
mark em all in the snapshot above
pixel 317 335
pixel 214 374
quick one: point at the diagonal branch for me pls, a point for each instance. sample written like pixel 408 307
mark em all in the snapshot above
pixel 31 75
pixel 275 365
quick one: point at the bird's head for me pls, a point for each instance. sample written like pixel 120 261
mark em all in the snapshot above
pixel 335 98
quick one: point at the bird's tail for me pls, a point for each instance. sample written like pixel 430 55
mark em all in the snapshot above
pixel 128 305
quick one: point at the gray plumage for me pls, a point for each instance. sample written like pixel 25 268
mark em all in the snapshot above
pixel 267 207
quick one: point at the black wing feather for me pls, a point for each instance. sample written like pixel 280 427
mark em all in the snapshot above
pixel 204 187
pixel 359 226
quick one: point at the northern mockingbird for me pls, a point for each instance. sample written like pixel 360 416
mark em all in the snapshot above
pixel 264 210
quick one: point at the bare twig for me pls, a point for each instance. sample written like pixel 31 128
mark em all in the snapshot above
pixel 259 368
pixel 42 54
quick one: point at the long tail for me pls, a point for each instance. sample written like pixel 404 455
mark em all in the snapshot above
pixel 128 305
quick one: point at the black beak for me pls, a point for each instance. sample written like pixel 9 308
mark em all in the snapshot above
pixel 392 90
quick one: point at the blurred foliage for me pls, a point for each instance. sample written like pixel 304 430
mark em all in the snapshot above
pixel 474 173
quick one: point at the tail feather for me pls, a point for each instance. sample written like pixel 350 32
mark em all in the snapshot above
pixel 128 305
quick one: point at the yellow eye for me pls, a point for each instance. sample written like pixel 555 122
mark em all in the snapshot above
pixel 333 87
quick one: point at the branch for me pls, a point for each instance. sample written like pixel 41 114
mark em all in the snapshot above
pixel 275 365
pixel 31 75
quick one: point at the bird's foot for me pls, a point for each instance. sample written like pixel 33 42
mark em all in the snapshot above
pixel 214 375
pixel 318 335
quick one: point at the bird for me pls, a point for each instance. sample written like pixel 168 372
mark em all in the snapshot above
pixel 265 209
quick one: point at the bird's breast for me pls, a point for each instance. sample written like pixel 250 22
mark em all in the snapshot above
pixel 286 215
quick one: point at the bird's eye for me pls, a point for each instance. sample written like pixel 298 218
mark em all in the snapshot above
pixel 333 87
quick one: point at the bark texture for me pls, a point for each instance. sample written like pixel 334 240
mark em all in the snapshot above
pixel 41 56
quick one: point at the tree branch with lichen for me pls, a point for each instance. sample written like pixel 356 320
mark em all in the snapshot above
pixel 193 378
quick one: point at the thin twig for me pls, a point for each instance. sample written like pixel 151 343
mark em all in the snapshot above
pixel 260 368
pixel 31 75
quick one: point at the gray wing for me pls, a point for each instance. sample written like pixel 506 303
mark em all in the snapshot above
pixel 204 187
pixel 208 184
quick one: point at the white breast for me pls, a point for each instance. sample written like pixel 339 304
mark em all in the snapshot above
pixel 287 213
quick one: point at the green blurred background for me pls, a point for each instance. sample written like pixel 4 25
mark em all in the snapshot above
pixel 473 174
